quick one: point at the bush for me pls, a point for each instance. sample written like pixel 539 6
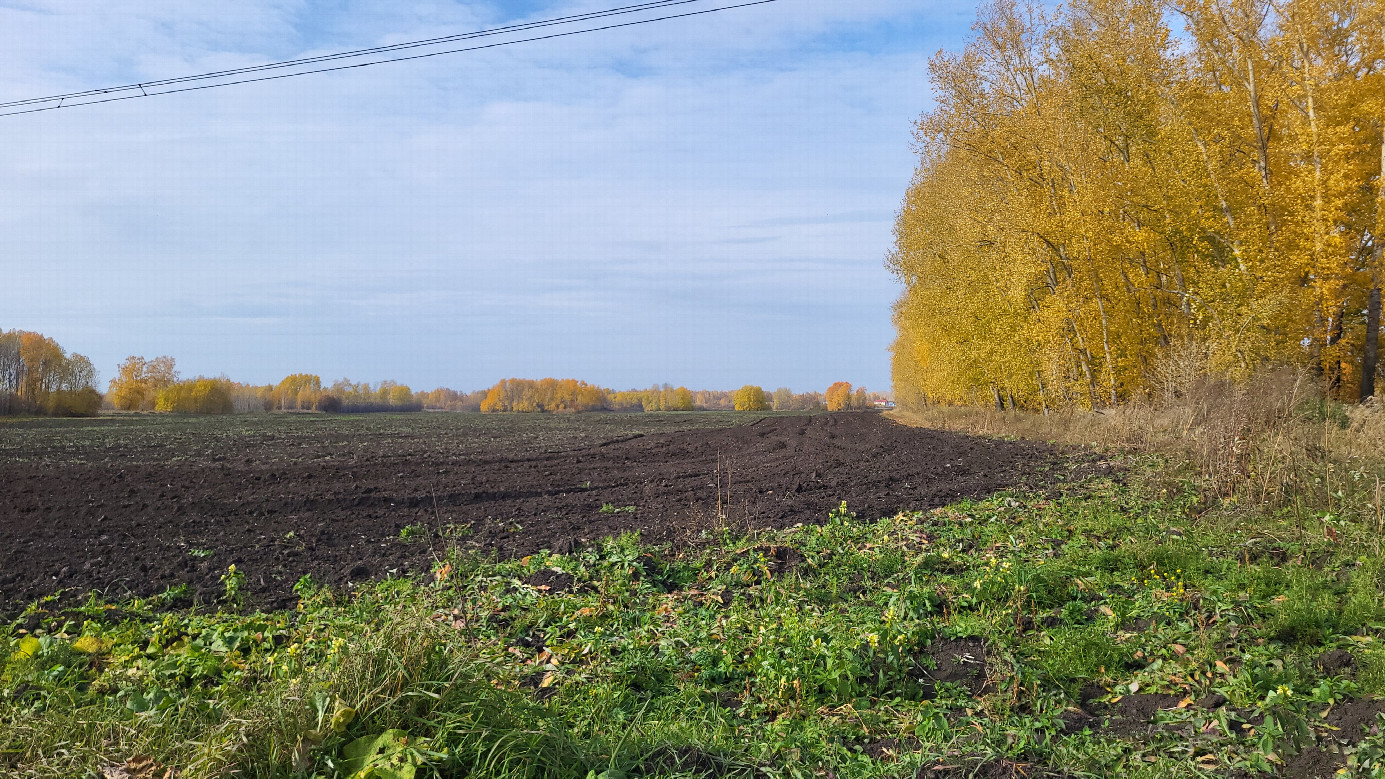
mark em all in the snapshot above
pixel 84 402
pixel 196 396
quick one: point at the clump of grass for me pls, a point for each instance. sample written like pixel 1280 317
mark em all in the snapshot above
pixel 1270 441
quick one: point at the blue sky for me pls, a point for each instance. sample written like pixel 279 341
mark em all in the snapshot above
pixel 705 201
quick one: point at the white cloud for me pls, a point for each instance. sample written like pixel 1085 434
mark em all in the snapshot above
pixel 614 207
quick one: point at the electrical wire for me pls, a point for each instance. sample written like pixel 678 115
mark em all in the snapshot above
pixel 175 85
pixel 654 4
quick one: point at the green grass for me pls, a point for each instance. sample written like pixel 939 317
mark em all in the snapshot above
pixel 787 654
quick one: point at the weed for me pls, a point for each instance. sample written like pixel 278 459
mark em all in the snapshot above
pixel 231 582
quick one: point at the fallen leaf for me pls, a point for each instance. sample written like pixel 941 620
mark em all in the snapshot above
pixel 1223 667
pixel 139 767
pixel 1104 609
pixel 1134 687
pixel 1179 649
pixel 90 645
pixel 548 680
pixel 1185 703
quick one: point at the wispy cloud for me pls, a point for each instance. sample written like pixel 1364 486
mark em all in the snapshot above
pixel 706 202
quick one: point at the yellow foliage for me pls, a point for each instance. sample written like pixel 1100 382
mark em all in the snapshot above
pixel 138 381
pixel 38 377
pixel 839 396
pixel 28 647
pixel 196 396
pixel 297 392
pixel 553 395
pixel 751 398
pixel 91 645
pixel 657 398
pixel 1092 197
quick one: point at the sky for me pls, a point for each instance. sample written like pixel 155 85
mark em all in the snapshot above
pixel 706 201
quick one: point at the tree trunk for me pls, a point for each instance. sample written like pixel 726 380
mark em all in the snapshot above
pixel 1333 364
pixel 1084 355
pixel 1371 349
pixel 1369 353
pixel 1105 335
pixel 999 404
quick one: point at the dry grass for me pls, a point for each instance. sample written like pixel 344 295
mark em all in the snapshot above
pixel 1271 441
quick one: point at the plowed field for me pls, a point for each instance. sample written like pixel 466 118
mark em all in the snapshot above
pixel 139 505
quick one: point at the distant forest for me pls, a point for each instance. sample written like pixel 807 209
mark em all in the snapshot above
pixel 38 377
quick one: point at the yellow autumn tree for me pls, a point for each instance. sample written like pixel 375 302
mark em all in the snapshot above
pixel 297 391
pixel 138 381
pixel 839 396
pixel 1092 196
pixel 751 398
pixel 551 395
pixel 37 376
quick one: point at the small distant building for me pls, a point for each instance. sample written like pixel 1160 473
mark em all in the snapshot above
pixel 884 405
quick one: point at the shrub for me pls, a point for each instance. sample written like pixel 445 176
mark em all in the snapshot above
pixel 84 402
pixel 196 396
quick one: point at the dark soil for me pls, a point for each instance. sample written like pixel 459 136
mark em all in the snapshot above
pixel 1133 714
pixel 1337 662
pixel 1130 715
pixel 887 750
pixel 1353 721
pixel 1356 719
pixel 957 661
pixel 138 506
pixel 1313 763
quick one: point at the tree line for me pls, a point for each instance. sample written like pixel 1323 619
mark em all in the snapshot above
pixel 1100 193
pixel 38 377
pixel 560 395
pixel 154 385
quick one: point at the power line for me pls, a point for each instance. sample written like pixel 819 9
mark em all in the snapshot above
pixel 243 75
pixel 653 4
